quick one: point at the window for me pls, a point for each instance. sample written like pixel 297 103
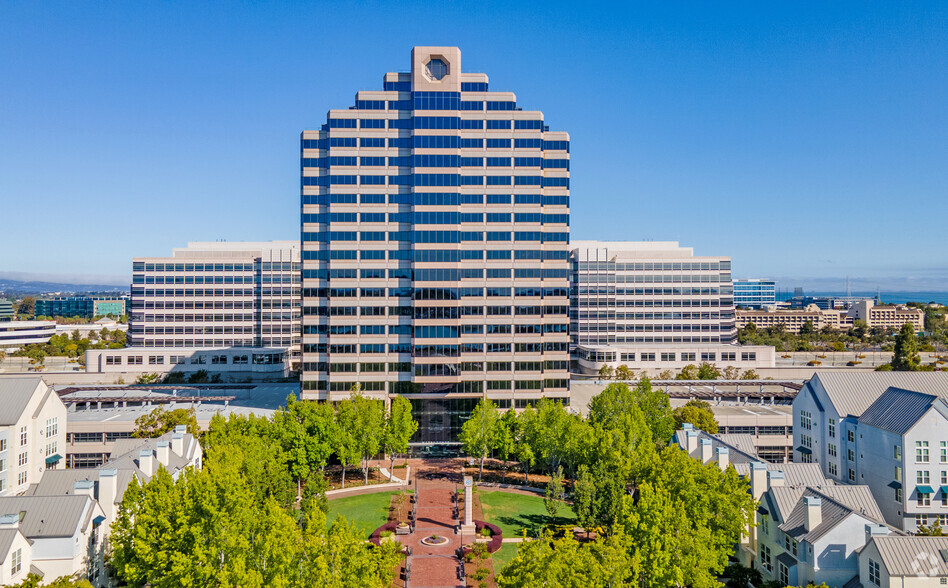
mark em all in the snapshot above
pixel 922 477
pixel 22 436
pixel 3 445
pixel 21 478
pixel 921 519
pixel 22 458
pixel 784 573
pixel 16 562
pixel 898 495
pixel 668 357
pixel 924 499
pixel 898 473
pixel 851 455
pixel 831 449
pixel 765 524
pixel 765 560
pixel 806 420
pixel 218 359
pixel 436 69
pixel 708 356
pixel 921 451
pixel 832 428
pixel 790 544
pixel 806 441
pixel 113 360
pixel 852 475
pixel 177 360
pixel 875 577
pixel 943 451
pixel 199 360
pixel 851 436
pixel 156 359
pixel 833 469
pixel 897 452
pixel 52 427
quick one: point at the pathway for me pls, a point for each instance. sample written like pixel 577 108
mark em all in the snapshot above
pixel 434 566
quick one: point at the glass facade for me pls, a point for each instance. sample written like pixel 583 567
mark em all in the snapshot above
pixel 81 306
pixel 755 293
pixel 435 242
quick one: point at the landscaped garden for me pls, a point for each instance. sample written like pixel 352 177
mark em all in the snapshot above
pixel 367 511
pixel 516 513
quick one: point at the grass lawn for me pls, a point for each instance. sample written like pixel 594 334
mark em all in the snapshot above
pixel 367 512
pixel 515 513
pixel 502 556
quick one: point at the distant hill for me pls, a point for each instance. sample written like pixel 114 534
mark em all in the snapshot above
pixel 38 288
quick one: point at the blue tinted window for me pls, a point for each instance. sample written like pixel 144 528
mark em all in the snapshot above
pixel 314 181
pixel 320 199
pixel 372 254
pixel 435 237
pixel 372 273
pixel 436 100
pixel 556 219
pixel 528 217
pixel 498 143
pixel 472 124
pixel 371 142
pixel 473 86
pixel 498 162
pixel 312 144
pixel 528 143
pixel 342 123
pixel 478 105
pixel 342 217
pixel 342 198
pixel 342 142
pixel 435 141
pixel 468 254
pixel 342 161
pixel 470 199
pixel 471 236
pixel 556 182
pixel 397 86
pixel 400 142
pixel 372 180
pixel 498 273
pixel 470 217
pixel 370 104
pixel 556 146
pixel 371 329
pixel 555 164
pixel 435 218
pixel 436 160
pixel 528 181
pixel 498 180
pixel 498 217
pixel 401 253
pixel 372 123
pixel 370 161
pixel 435 122
pixel 469 162
pixel 372 236
pixel 472 180
pixel 498 236
pixel 501 106
pixel 399 123
pixel 435 179
pixel 398 236
pixel 527 199
pixel 399 198
pixel 528 161
pixel 556 200
pixel 372 217
pixel 399 217
pixel 399 180
pixel 498 198
pixel 472 143
pixel 501 254
pixel 342 180
pixel 399 104
pixel 313 162
pixel 399 161
pixel 498 124
pixel 528 236
pixel 528 254
pixel 529 124
pixel 436 199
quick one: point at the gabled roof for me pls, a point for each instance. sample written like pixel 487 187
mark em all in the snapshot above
pixel 742 441
pixel 898 410
pixel 796 475
pixel 63 482
pixel 48 516
pixel 125 454
pixel 6 540
pixel 853 392
pixel 912 555
pixel 735 454
pixel 837 504
pixel 15 394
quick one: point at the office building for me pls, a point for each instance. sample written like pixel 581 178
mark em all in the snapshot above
pixel 81 306
pixel 794 320
pixel 882 429
pixel 6 311
pixel 20 333
pixel 217 295
pixel 888 316
pixel 32 432
pixel 754 293
pixel 228 363
pixel 435 228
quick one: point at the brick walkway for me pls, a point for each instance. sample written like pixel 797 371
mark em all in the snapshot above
pixel 434 566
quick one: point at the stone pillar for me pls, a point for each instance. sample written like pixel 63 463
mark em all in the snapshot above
pixel 468 525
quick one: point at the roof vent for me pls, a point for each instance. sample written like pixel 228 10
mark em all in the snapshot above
pixel 944 554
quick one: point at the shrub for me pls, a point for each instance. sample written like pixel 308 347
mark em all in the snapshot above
pixel 814 362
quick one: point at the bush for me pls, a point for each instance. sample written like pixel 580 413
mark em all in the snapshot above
pixel 814 362
pixel 385 534
pixel 485 532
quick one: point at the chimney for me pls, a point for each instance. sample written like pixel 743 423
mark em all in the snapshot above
pixel 875 531
pixel 10 521
pixel 181 429
pixel 84 488
pixel 163 452
pixel 108 489
pixel 705 450
pixel 814 512
pixel 687 427
pixel 723 457
pixel 691 442
pixel 775 478
pixel 177 443
pixel 758 476
pixel 146 462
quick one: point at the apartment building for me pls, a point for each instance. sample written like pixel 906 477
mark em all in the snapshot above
pixel 895 561
pixel 887 317
pixel 754 293
pixel 435 231
pixel 32 432
pixel 216 295
pixel 886 430
pixel 793 320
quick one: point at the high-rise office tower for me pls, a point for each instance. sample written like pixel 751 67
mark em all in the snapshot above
pixel 435 233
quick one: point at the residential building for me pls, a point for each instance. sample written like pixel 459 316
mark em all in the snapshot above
pixel 435 231
pixel 794 320
pixel 889 316
pixel 16 561
pixel 652 359
pixel 754 293
pixel 32 432
pixel 896 561
pixel 20 333
pixel 81 306
pixel 886 430
pixel 216 295
pixel 230 363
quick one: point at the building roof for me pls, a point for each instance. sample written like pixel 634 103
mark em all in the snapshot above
pixel 913 555
pixel 837 504
pixel 16 393
pixel 6 540
pixel 898 410
pixel 742 441
pixel 63 482
pixel 853 392
pixel 48 516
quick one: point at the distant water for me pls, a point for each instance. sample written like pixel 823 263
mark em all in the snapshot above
pixel 894 297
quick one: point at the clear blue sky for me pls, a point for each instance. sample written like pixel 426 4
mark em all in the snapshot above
pixel 806 140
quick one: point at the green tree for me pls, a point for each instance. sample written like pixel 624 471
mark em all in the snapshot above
pixel 479 431
pixel 750 375
pixel 160 421
pixel 584 499
pixel 905 358
pixel 699 414
pixel 348 430
pixel 567 563
pixel 935 530
pixel 27 306
pixel 606 372
pixel 199 377
pixel 623 372
pixel 689 372
pixel 34 581
pixel 807 328
pixel 399 428
pixel 708 371
pixel 506 438
pixel 151 378
pixel 554 495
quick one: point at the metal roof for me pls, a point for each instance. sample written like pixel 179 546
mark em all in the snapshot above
pixel 898 410
pixel 742 441
pixel 47 516
pixel 837 503
pixel 63 482
pixel 15 395
pixel 6 540
pixel 910 555
pixel 853 392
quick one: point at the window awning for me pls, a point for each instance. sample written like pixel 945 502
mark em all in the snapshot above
pixel 804 450
pixel 53 459
pixel 924 489
pixel 944 490
pixel 894 484
pixel 787 560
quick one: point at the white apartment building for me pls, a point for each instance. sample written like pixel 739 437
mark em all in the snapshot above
pixel 886 430
pixel 32 432
pixel 218 294
pixel 895 561
pixel 793 320
pixel 435 231
pixel 887 317
pixel 20 333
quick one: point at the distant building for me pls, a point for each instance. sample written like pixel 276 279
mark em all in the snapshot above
pixel 216 295
pixel 20 333
pixel 86 329
pixel 32 432
pixel 6 310
pixel 755 293
pixel 81 306
pixel 888 316
pixel 793 320
pixel 652 359
pixel 232 362
pixel 769 427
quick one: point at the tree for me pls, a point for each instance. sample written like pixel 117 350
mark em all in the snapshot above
pixel 623 372
pixel 151 378
pixel 399 428
pixel 699 414
pixel 905 357
pixel 731 372
pixel 935 530
pixel 347 447
pixel 707 371
pixel 34 581
pixel 160 421
pixel 506 438
pixel 807 328
pixel 478 432
pixel 750 375
pixel 26 306
pixel 689 372
pixel 606 372
pixel 199 377
pixel 554 495
pixel 565 562
pixel 584 499
pixel 369 426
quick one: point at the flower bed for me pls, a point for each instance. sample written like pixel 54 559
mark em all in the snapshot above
pixel 376 537
pixel 496 536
